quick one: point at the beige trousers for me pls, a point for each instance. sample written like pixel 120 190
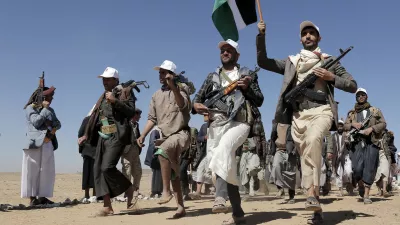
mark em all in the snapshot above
pixel 309 127
pixel 383 168
pixel 131 166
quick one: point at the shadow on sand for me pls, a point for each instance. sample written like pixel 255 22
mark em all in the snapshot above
pixel 331 218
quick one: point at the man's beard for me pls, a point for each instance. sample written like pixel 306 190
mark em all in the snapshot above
pixel 340 131
pixel 231 62
pixel 310 47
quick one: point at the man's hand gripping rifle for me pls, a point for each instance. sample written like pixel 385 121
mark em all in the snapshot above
pixel 215 98
pixel 354 131
pixel 303 88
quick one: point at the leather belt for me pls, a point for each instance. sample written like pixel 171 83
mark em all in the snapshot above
pixel 307 104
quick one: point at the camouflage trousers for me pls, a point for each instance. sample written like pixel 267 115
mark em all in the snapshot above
pixel 131 166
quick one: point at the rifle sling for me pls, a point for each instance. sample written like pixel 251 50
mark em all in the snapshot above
pixel 226 78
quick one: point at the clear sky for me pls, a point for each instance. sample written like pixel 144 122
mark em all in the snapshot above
pixel 74 41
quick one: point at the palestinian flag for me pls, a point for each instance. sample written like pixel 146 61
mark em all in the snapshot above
pixel 230 16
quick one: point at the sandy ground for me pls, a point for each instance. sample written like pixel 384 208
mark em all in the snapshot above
pixel 260 209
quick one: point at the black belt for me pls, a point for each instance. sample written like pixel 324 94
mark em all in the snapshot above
pixel 309 104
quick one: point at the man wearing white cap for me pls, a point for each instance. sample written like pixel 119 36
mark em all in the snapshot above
pixel 113 111
pixel 170 110
pixel 365 143
pixel 228 129
pixel 315 111
pixel 341 161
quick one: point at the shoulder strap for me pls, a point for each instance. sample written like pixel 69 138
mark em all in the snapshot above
pixel 226 76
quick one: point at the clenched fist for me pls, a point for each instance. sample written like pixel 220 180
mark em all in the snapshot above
pixel 45 104
pixel 110 97
pixel 261 27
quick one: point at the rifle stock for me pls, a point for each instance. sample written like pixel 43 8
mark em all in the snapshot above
pixel 52 132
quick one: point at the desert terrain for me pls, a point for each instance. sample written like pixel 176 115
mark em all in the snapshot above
pixel 260 209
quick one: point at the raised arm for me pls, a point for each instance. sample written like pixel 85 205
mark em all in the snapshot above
pixel 37 119
pixel 273 65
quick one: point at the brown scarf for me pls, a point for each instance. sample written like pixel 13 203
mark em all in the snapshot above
pixel 360 107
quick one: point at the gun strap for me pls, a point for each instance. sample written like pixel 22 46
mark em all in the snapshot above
pixel 226 77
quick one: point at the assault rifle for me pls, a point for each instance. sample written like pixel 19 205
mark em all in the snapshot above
pixel 353 132
pixel 217 95
pixel 309 81
pixel 39 97
pixel 130 83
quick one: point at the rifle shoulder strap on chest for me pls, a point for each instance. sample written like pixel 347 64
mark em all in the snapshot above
pixel 225 77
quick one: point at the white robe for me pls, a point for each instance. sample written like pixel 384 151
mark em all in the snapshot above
pixel 345 173
pixel 222 143
pixel 38 172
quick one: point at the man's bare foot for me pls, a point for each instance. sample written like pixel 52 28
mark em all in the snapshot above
pixel 106 211
pixel 180 212
pixel 165 198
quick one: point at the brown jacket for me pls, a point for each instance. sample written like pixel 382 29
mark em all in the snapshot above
pixel 377 122
pixel 343 81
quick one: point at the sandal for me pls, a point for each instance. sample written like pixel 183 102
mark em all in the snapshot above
pixel 165 200
pixel 34 202
pixel 45 201
pixel 316 219
pixel 219 206
pixel 280 194
pixel 386 194
pixel 367 201
pixel 194 196
pixel 132 204
pixel 312 204
pixel 291 201
pixel 235 221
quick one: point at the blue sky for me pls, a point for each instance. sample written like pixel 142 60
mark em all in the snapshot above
pixel 74 41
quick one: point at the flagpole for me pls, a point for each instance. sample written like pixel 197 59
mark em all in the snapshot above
pixel 259 10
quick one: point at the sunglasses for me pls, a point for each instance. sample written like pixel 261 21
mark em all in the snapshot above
pixel 230 51
pixel 359 95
